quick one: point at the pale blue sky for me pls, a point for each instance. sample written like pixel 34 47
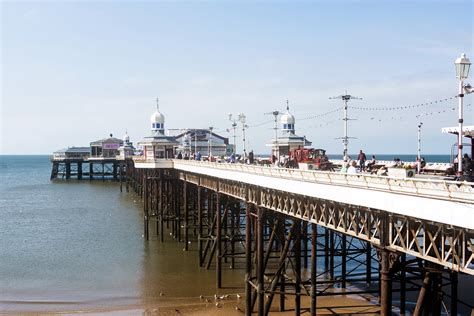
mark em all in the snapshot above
pixel 73 72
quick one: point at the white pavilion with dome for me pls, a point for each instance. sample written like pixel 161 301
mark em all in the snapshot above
pixel 288 140
pixel 126 150
pixel 158 145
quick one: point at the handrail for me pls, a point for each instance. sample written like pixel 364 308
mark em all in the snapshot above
pixel 432 188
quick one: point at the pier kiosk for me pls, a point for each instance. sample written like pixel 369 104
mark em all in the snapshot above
pixel 64 161
pixel 104 153
pixel 288 140
pixel 158 148
pixel 152 174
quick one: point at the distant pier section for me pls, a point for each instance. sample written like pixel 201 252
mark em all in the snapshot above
pixel 103 159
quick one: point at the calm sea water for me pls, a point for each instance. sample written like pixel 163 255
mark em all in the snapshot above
pixel 78 245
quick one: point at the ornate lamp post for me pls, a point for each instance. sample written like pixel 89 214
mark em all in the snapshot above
pixel 462 65
pixel 418 165
pixel 242 119
pixel 234 126
pixel 210 143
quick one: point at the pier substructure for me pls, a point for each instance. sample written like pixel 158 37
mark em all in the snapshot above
pixel 279 238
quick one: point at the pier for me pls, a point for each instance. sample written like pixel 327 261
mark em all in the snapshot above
pixel 406 235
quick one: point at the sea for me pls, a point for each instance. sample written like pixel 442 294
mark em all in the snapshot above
pixel 78 246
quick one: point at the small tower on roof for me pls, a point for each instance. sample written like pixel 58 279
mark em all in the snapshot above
pixel 126 138
pixel 287 121
pixel 157 120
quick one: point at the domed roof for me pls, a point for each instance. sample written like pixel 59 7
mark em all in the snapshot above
pixel 157 117
pixel 287 118
pixel 126 138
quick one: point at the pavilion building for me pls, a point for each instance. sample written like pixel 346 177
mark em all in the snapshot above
pixel 288 140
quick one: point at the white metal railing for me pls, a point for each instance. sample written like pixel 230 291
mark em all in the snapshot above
pixel 451 190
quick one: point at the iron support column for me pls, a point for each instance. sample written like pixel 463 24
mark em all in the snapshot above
pixel 218 242
pixel 260 260
pixel 248 260
pixel 314 243
pixel 185 206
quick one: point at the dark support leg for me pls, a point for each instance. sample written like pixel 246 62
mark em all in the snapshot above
pixel 305 245
pixel 385 277
pixel 403 286
pixel 454 293
pixel 161 206
pixel 68 170
pixel 260 263
pixel 422 295
pixel 79 171
pixel 298 272
pixel 368 260
pixel 145 207
pixel 199 211
pixel 281 266
pixel 218 243
pixel 114 170
pixel 344 261
pixel 120 175
pixel 314 243
pixel 437 295
pixel 185 205
pixel 331 255
pixel 248 260
pixel 326 249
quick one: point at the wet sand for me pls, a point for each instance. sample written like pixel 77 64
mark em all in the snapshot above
pixel 230 306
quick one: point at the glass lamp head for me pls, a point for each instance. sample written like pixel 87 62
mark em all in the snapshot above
pixel 462 65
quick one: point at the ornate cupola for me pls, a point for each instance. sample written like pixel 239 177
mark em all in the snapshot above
pixel 157 121
pixel 287 121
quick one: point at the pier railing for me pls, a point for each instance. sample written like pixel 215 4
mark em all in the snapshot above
pixel 441 189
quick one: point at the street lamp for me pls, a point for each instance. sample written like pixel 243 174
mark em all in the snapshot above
pixel 242 118
pixel 210 143
pixel 462 65
pixel 418 165
pixel 234 126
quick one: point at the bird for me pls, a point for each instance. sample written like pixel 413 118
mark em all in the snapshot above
pixel 215 296
pixel 237 308
pixel 218 305
pixel 226 296
pixel 238 296
pixel 208 300
pixel 201 297
pixel 161 293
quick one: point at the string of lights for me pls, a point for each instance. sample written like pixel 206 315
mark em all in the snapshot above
pixel 319 115
pixel 401 107
pixel 260 124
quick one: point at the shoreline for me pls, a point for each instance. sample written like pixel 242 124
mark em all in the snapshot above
pixel 229 306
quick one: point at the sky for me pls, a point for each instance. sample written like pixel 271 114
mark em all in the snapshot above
pixel 75 71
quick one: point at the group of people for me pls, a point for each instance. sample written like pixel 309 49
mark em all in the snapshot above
pixel 196 156
pixel 359 165
pixel 467 164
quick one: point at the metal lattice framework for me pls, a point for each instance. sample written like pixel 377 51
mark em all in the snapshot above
pixel 443 244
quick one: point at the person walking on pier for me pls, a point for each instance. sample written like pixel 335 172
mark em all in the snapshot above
pixel 362 158
pixel 251 159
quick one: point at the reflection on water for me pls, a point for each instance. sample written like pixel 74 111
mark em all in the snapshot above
pixel 77 245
